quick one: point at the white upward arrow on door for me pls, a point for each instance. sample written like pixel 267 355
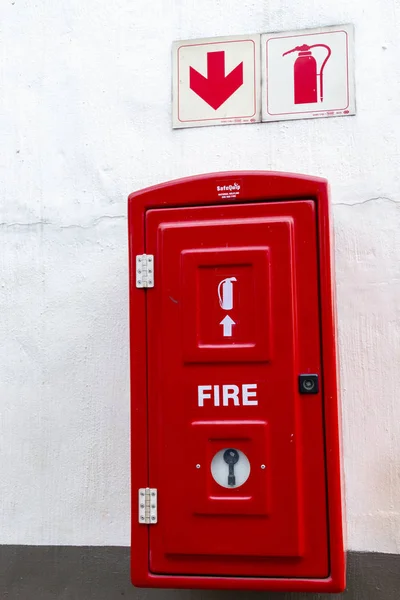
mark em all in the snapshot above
pixel 227 323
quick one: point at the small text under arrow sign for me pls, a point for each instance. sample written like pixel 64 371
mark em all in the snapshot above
pixel 227 323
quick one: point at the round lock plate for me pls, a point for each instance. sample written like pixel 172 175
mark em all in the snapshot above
pixel 230 468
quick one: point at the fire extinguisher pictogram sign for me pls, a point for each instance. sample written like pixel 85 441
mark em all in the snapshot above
pixel 308 74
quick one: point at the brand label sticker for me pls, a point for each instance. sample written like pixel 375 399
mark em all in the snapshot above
pixel 229 189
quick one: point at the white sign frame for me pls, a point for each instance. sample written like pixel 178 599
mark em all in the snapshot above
pixel 243 106
pixel 278 84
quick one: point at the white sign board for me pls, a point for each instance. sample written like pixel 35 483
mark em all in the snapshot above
pixel 216 81
pixel 308 73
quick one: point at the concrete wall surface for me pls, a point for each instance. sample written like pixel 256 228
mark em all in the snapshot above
pixel 85 118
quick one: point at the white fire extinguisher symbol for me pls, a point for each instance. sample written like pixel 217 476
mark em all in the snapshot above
pixel 225 293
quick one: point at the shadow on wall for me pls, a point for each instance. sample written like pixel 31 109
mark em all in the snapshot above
pixel 102 573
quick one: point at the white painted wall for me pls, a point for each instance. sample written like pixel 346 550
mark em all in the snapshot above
pixel 85 113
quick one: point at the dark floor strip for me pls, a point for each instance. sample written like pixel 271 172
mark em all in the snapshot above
pixel 102 573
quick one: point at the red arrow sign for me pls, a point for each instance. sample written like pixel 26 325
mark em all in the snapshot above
pixel 215 89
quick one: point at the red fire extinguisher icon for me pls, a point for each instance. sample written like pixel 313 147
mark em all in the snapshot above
pixel 306 75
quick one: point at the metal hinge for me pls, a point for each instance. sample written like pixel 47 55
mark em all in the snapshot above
pixel 145 271
pixel 148 506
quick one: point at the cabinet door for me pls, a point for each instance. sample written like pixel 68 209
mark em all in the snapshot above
pixel 233 320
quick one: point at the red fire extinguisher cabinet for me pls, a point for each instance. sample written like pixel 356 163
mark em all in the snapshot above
pixel 235 416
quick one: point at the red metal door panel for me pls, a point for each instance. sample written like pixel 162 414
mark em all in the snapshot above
pixel 222 373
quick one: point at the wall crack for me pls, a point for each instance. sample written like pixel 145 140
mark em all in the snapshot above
pixel 374 199
pixel 34 224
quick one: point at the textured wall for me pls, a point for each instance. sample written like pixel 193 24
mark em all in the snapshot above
pixel 85 112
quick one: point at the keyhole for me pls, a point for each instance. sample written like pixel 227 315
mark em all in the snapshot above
pixel 236 473
pixel 231 457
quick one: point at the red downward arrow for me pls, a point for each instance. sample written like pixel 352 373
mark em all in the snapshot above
pixel 215 89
